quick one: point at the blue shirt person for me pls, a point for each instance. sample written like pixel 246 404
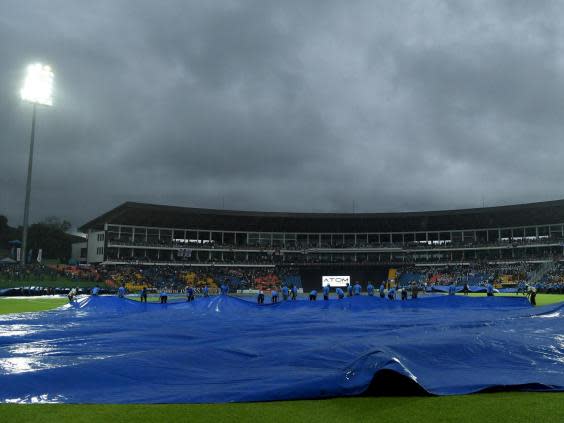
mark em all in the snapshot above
pixel 392 294
pixel 189 293
pixel 274 297
pixel 285 293
pixel 349 290
pixel 294 292
pixel 490 289
pixel 313 295
pixel 121 291
pixel 224 289
pixel 326 290
pixel 357 288
pixel 382 290
pixel 206 291
pixel 164 297
pixel 96 290
pixel 451 289
pixel 340 293
pixel 370 289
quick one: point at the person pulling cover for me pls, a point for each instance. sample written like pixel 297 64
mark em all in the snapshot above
pixel 163 296
pixel 532 294
pixel 313 295
pixel 143 295
pixel 490 289
pixel 370 289
pixel 382 290
pixel 326 290
pixel 72 294
pixel 260 297
pixel 121 291
pixel 357 288
pixel 404 294
pixel 294 292
pixel 340 293
pixel 285 293
pixel 466 288
pixel 189 294
pixel 274 295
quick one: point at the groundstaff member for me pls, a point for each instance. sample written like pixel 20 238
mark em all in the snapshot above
pixel 143 295
pixel 532 294
pixel 72 294
pixel 326 290
pixel 340 293
pixel 189 293
pixel 285 293
pixel 357 288
pixel 490 289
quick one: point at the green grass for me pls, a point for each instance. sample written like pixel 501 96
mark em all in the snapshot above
pixel 514 407
pixel 542 299
pixel 17 305
pixel 504 407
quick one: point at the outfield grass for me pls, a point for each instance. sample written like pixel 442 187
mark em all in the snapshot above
pixel 542 299
pixel 18 305
pixel 503 407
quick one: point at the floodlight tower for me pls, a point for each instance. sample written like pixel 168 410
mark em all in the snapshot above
pixel 38 90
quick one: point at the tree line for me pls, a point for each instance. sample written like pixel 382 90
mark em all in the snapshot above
pixel 51 235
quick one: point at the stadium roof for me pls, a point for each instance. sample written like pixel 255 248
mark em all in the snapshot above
pixel 141 214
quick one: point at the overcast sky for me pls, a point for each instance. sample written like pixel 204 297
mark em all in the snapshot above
pixel 284 105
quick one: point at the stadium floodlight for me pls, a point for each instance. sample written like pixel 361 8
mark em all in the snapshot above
pixel 38 85
pixel 38 90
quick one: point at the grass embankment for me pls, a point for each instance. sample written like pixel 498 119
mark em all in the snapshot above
pixel 504 407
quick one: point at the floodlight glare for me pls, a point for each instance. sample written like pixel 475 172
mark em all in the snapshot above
pixel 38 90
pixel 38 85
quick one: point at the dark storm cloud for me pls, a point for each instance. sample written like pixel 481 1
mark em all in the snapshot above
pixel 299 106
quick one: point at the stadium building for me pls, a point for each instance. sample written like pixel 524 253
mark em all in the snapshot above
pixel 363 245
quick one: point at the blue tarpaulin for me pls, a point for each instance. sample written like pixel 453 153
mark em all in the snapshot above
pixel 223 349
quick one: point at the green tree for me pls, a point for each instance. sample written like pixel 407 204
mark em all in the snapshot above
pixel 56 222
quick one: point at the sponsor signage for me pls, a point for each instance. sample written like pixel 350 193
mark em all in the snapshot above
pixel 335 281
